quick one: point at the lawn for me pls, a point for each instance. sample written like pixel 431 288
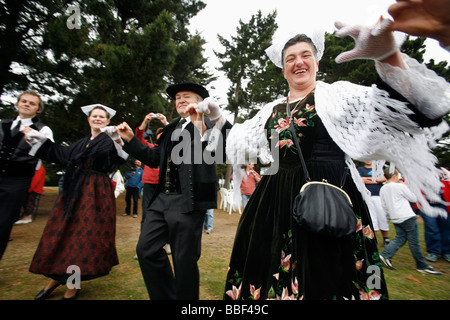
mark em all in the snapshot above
pixel 125 280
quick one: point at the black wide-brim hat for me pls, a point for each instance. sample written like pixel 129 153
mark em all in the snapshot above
pixel 187 86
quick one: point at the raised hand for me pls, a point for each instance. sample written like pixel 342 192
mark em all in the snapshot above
pixel 211 108
pixel 124 131
pixel 376 43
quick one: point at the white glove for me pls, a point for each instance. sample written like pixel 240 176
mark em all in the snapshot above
pixel 376 43
pixel 111 132
pixel 209 107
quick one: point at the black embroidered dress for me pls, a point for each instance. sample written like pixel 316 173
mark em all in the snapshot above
pixel 81 228
pixel 272 258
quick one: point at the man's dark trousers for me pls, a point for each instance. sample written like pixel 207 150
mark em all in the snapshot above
pixel 183 231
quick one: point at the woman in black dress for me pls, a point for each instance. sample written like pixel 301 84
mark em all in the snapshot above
pixel 272 258
pixel 80 231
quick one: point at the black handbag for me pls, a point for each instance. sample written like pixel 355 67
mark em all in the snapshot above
pixel 322 207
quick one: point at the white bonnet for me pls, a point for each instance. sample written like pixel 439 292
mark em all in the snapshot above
pixel 88 109
pixel 279 41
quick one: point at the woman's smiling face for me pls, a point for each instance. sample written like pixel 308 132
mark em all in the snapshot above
pixel 98 118
pixel 300 65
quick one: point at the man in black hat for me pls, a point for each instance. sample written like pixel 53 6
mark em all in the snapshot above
pixel 186 189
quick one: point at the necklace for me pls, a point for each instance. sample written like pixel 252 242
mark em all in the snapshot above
pixel 291 113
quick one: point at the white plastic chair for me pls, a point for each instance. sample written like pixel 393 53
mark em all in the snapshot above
pixel 231 202
pixel 223 198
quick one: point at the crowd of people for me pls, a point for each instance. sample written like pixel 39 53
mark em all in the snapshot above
pixel 272 257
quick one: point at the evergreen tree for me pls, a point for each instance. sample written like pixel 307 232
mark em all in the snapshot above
pixel 116 52
pixel 119 53
pixel 243 61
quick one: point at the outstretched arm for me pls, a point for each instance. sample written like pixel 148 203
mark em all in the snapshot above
pixel 148 156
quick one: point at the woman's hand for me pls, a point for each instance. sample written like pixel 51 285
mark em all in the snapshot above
pixel 111 132
pixel 376 43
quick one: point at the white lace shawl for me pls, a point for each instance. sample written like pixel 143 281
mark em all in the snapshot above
pixel 363 124
pixel 420 85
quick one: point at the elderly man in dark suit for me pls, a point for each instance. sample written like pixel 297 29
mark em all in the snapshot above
pixel 186 189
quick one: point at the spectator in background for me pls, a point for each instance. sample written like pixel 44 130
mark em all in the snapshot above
pixel 376 211
pixel 209 221
pixel 396 199
pixel 133 180
pixel 61 180
pixel 248 185
pixel 437 229
pixel 151 175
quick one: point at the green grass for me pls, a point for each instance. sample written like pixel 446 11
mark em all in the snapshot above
pixel 406 283
pixel 125 280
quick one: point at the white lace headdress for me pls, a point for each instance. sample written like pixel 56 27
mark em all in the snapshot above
pixel 282 37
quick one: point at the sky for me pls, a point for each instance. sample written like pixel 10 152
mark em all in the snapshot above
pixel 222 17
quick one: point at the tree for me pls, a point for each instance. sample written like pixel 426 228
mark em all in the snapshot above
pixel 122 54
pixel 243 58
pixel 20 28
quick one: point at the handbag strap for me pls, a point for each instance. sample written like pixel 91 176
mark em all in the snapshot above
pixel 294 137
pixel 299 151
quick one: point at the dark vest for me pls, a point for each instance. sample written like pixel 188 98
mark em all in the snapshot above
pixel 196 183
pixel 14 158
